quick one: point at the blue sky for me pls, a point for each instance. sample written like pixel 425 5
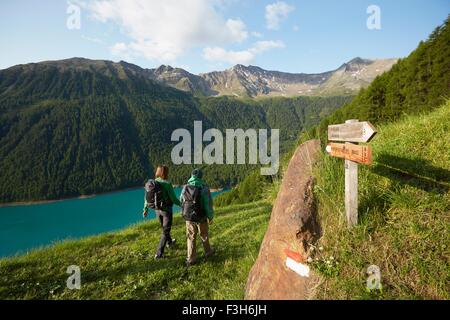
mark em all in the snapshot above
pixel 206 35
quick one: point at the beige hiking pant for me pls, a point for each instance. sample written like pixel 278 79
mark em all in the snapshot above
pixel 192 229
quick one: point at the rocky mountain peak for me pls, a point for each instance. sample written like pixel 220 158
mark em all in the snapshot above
pixel 252 81
pixel 164 68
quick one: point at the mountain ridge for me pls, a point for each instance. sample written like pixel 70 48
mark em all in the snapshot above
pixel 240 80
pixel 253 81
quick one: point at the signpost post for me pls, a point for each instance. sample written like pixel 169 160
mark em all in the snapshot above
pixel 351 189
pixel 352 132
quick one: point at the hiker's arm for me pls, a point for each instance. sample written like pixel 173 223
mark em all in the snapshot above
pixel 145 203
pixel 208 203
pixel 173 197
pixel 181 195
pixel 145 210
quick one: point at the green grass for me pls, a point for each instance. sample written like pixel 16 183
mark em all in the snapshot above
pixel 404 215
pixel 120 265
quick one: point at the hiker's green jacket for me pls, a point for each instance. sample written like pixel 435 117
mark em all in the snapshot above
pixel 207 202
pixel 168 191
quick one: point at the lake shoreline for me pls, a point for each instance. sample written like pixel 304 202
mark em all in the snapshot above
pixel 88 196
pixel 36 202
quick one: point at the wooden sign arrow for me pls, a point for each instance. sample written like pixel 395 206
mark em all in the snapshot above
pixel 352 152
pixel 352 132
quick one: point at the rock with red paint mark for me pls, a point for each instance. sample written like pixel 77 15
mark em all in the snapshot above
pixel 292 227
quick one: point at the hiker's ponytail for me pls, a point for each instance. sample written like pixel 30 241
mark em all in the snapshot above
pixel 162 172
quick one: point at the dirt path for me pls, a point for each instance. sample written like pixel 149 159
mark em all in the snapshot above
pixel 292 226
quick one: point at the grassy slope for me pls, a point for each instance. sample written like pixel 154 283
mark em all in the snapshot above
pixel 120 265
pixel 404 215
pixel 403 228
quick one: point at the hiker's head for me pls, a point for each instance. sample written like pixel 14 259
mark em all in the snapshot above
pixel 162 172
pixel 197 173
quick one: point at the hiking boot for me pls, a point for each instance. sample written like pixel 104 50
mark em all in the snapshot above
pixel 210 253
pixel 158 257
pixel 172 244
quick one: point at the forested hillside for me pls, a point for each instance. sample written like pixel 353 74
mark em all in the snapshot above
pixel 78 126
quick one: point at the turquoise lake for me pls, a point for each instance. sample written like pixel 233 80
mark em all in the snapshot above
pixel 27 227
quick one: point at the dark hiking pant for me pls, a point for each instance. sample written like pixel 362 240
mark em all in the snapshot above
pixel 165 219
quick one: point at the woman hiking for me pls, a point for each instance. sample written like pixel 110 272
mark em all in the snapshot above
pixel 160 196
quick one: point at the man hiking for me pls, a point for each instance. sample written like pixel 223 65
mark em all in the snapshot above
pixel 197 210
pixel 160 196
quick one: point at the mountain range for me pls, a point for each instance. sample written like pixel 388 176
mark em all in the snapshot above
pixel 244 81
pixel 253 81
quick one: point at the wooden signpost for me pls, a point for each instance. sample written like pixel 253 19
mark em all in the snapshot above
pixel 352 132
pixel 350 151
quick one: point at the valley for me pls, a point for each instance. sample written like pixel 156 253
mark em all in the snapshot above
pixel 78 127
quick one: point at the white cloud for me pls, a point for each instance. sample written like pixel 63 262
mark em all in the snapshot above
pixel 275 13
pixel 219 54
pixel 257 34
pixel 164 30
pixel 237 30
pixel 262 46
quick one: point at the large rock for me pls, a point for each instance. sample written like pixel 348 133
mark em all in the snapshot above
pixel 292 226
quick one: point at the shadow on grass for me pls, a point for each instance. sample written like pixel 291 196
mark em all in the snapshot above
pixel 418 173
pixel 174 260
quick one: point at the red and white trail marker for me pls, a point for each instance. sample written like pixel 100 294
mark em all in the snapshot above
pixel 294 261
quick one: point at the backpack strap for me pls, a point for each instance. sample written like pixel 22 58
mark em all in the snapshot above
pixel 197 191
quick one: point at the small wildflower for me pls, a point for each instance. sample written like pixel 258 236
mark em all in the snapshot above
pixel 321 248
